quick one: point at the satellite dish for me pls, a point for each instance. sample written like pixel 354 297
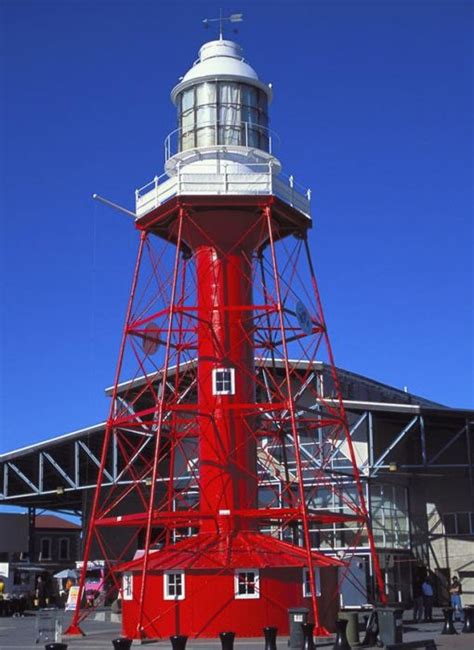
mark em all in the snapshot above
pixel 150 341
pixel 304 319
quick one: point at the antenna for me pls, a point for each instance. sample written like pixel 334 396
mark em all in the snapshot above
pixel 233 18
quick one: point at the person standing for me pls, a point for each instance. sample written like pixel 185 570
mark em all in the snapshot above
pixel 417 601
pixel 427 589
pixel 455 591
pixel 41 592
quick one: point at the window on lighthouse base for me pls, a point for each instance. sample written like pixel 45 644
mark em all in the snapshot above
pixel 223 381
pixel 306 583
pixel 173 585
pixel 247 583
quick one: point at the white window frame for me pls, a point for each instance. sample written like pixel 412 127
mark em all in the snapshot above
pixel 256 581
pixel 167 583
pixel 306 585
pixel 127 586
pixel 231 390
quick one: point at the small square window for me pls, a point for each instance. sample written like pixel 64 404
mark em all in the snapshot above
pixel 247 584
pixel 173 585
pixel 127 586
pixel 306 583
pixel 223 381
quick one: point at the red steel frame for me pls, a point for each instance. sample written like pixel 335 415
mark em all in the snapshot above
pixel 238 266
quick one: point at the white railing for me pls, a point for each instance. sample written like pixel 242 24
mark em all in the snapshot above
pixel 254 179
pixel 215 134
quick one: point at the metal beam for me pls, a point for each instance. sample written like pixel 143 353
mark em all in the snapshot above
pixel 23 477
pixel 447 446
pixel 392 446
pixel 59 469
pixel 94 459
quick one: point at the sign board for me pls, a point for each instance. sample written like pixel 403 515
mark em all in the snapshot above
pixel 4 569
pixel 72 597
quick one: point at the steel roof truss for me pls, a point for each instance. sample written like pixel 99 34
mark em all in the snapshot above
pixel 379 462
pixel 94 459
pixel 59 469
pixel 23 477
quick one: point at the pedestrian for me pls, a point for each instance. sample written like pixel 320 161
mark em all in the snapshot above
pixel 427 590
pixel 417 601
pixel 40 593
pixel 455 591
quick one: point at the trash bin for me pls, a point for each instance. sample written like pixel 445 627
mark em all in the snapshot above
pixel 298 615
pixel 390 624
pixel 49 624
pixel 352 629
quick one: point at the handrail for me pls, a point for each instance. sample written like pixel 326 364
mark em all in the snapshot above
pixel 259 178
pixel 247 129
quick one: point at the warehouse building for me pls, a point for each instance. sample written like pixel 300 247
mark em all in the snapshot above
pixel 416 460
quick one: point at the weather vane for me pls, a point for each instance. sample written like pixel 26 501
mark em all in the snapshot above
pixel 233 18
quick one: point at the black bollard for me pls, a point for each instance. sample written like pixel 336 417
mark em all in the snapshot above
pixel 308 643
pixel 56 646
pixel 468 627
pixel 178 641
pixel 341 642
pixel 270 634
pixel 448 627
pixel 227 640
pixel 122 643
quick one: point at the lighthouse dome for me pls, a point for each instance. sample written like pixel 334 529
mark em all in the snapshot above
pixel 220 59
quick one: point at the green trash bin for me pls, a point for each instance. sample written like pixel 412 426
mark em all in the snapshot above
pixel 352 629
pixel 390 624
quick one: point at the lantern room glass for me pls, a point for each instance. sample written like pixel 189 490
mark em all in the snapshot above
pixel 223 113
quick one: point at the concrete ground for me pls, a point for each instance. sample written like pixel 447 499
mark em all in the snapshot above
pixel 103 627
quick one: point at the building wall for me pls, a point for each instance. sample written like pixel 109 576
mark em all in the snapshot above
pixel 444 553
pixel 210 606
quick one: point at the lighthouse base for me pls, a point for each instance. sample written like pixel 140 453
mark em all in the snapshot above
pixel 184 596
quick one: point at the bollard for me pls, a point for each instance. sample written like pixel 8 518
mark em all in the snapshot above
pixel 308 643
pixel 270 634
pixel 178 641
pixel 56 646
pixel 227 640
pixel 448 627
pixel 122 643
pixel 468 627
pixel 341 642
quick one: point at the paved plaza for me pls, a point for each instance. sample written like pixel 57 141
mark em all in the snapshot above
pixel 103 627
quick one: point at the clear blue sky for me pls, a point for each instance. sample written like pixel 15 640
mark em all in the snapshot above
pixel 373 104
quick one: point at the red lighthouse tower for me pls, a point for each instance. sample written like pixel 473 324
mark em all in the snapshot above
pixel 227 430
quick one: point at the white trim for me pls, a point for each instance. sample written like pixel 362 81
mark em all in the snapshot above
pixel 256 582
pixel 230 379
pixel 166 585
pixel 317 580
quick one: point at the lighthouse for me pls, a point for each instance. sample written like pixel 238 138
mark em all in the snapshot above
pixel 221 460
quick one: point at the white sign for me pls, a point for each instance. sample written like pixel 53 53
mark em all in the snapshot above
pixel 4 569
pixel 72 598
